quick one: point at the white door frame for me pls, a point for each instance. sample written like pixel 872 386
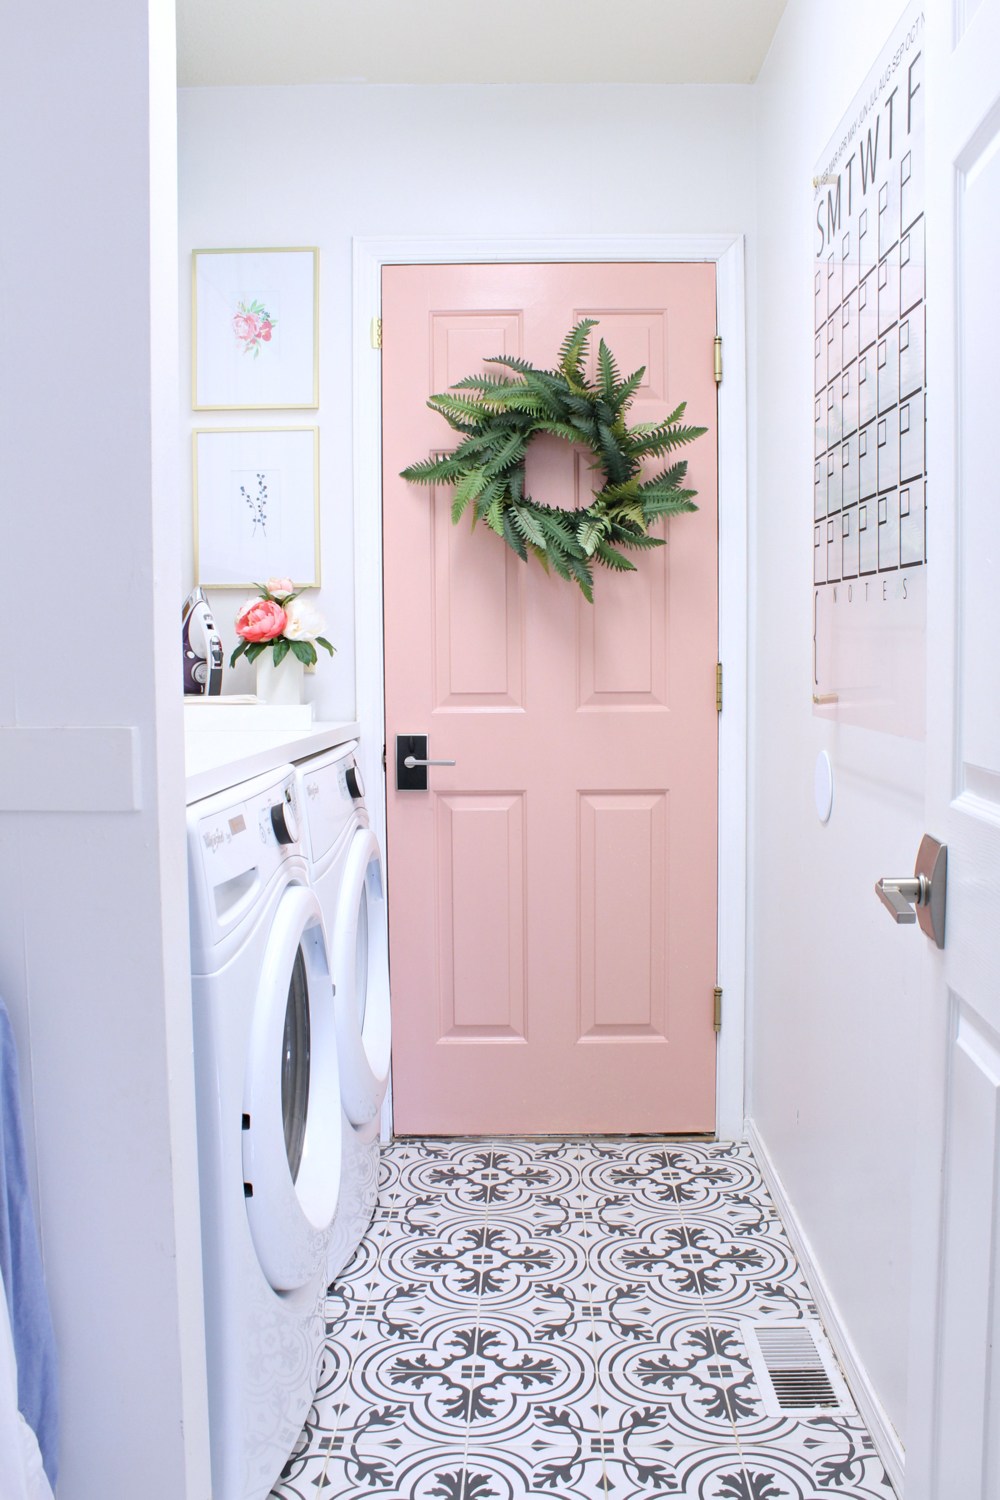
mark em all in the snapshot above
pixel 727 252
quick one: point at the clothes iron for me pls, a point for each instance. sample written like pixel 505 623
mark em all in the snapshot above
pixel 202 646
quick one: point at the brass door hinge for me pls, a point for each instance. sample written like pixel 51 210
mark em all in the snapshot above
pixel 717 1014
pixel 718 358
pixel 718 687
pixel 376 333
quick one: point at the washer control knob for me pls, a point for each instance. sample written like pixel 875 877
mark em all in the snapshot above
pixel 355 785
pixel 284 822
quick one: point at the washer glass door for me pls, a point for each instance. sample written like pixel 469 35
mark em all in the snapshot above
pixel 361 976
pixel 292 1118
pixel 361 960
pixel 295 1060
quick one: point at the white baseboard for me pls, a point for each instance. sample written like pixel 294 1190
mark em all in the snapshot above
pixel 870 1408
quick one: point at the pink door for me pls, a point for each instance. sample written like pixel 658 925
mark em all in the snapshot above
pixel 553 895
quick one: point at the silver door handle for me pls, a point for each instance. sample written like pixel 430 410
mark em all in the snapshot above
pixel 901 896
pixel 920 897
pixel 409 761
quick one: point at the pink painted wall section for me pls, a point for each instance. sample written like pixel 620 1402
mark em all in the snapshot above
pixel 553 896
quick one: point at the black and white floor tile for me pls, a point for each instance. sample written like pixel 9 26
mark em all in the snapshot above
pixel 566 1318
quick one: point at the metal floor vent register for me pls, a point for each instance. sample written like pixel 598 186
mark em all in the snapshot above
pixel 795 1368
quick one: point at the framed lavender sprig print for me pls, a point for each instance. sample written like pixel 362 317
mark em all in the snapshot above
pixel 256 506
pixel 255 323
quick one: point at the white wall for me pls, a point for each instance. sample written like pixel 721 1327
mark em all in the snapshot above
pixel 832 979
pixel 93 923
pixel 318 165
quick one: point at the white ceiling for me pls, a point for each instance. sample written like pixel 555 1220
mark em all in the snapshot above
pixel 473 41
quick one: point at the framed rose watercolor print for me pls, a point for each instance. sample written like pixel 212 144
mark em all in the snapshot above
pixel 255 326
pixel 256 506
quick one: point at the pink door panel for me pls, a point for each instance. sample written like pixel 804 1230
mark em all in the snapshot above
pixel 553 895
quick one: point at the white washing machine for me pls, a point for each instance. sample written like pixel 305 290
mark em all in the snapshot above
pixel 345 870
pixel 270 1124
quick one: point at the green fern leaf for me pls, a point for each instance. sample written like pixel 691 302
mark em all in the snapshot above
pixel 470 449
pixel 678 504
pixel 434 470
pixel 559 560
pixel 494 516
pixel 512 362
pixel 574 349
pixel 631 513
pixel 665 483
pixel 511 537
pixel 612 559
pixel 467 489
pixel 614 494
pixel 510 452
pixel 583 576
pixel 590 532
pixel 616 464
pixel 528 525
pixel 558 528
pixel 460 408
pixel 517 399
pixel 564 430
pixel 486 383
pixel 639 541
pixel 609 376
pixel 623 393
pixel 664 438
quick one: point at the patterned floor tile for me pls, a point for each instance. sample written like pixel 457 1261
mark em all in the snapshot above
pixel 674 1175
pixel 301 1478
pixel 474 1177
pixel 498 1260
pixel 457 1473
pixel 547 1459
pixel 688 1377
pixel 698 1264
pixel 836 1449
pixel 563 1318
pixel 772 1474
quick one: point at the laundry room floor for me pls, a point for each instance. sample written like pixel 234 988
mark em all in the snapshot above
pixel 577 1318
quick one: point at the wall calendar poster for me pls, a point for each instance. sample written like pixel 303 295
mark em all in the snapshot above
pixel 870 475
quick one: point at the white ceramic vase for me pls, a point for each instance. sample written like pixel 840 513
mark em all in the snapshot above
pixel 281 684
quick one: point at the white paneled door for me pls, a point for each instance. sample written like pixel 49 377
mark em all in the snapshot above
pixel 953 1425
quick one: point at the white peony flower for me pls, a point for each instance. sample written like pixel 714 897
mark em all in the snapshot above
pixel 302 621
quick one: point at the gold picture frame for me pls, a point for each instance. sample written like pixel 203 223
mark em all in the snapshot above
pixel 256 506
pixel 255 329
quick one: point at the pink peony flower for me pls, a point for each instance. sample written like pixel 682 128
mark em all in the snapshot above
pixel 246 326
pixel 260 620
pixel 280 586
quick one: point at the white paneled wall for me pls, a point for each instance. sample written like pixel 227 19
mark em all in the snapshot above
pixel 93 920
pixel 832 979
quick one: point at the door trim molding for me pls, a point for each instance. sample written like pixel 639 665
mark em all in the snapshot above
pixel 727 252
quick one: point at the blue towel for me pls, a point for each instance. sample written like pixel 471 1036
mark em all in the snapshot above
pixel 21 1267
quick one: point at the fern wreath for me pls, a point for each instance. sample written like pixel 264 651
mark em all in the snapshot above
pixel 499 415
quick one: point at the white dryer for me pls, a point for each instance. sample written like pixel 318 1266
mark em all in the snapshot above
pixel 270 1137
pixel 345 870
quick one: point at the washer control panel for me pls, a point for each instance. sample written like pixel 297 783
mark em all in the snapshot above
pixel 256 833
pixel 331 794
pixel 235 845
pixel 284 818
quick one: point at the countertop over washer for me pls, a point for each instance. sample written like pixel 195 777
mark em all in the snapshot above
pixel 226 746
